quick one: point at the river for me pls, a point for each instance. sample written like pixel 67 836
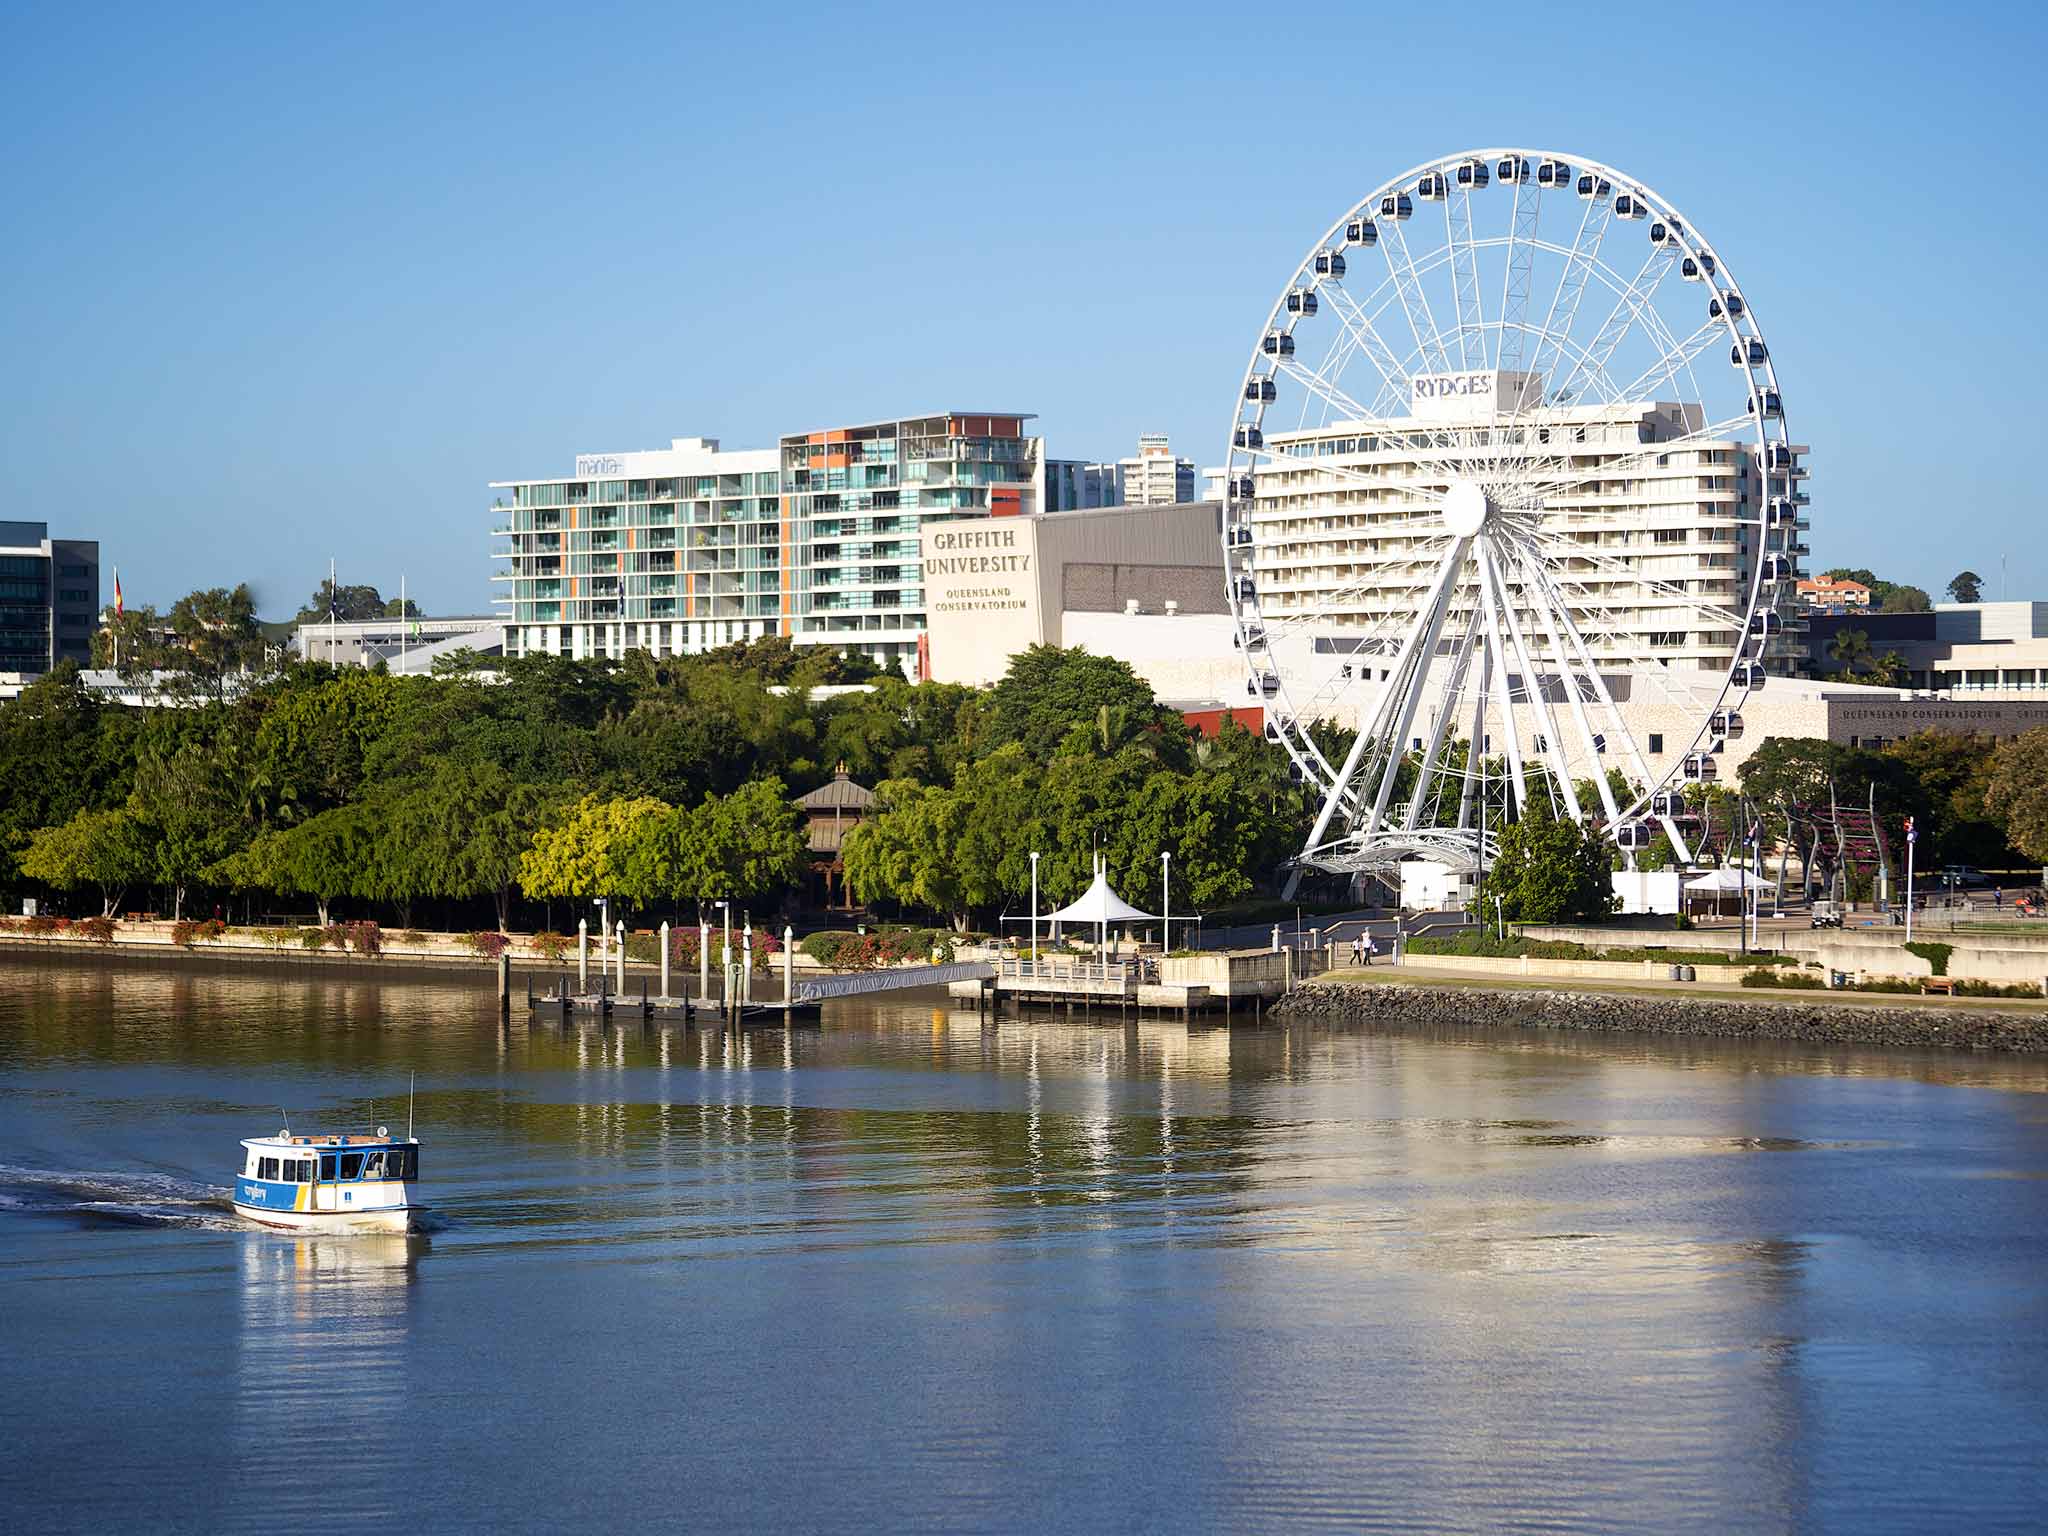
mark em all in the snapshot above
pixel 916 1271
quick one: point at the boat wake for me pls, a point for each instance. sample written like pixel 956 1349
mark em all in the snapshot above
pixel 117 1199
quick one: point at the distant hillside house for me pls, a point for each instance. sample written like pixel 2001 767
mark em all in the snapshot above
pixel 1828 594
pixel 833 810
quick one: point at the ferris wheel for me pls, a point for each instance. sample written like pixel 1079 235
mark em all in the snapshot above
pixel 1511 510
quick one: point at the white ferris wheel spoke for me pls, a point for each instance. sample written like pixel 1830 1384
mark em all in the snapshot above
pixel 1464 274
pixel 1628 308
pixel 1429 344
pixel 1524 219
pixel 1665 369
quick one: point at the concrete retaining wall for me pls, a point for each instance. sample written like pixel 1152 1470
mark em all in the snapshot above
pixel 1589 970
pixel 2019 957
pixel 1952 1026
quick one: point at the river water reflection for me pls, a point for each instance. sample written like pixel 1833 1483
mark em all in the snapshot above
pixel 917 1271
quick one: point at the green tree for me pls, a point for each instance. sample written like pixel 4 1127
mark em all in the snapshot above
pixel 1966 587
pixel 217 637
pixel 1905 599
pixel 905 851
pixel 62 750
pixel 1850 650
pixel 1953 773
pixel 187 798
pixel 1050 698
pixel 2017 794
pixel 344 602
pixel 107 849
pixel 584 851
pixel 327 856
pixel 1549 870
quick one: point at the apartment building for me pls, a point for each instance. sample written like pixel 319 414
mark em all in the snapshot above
pixel 854 499
pixel 688 548
pixel 1154 478
pixel 674 550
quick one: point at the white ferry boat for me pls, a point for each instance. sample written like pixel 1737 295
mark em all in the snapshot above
pixel 330 1183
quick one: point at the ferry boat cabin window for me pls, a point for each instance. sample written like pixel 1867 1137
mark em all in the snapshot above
pixel 373 1165
pixel 402 1163
pixel 351 1165
pixel 327 1167
pixel 302 1171
pixel 267 1168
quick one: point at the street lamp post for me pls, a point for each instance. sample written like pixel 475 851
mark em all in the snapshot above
pixel 1165 902
pixel 1912 838
pixel 1034 914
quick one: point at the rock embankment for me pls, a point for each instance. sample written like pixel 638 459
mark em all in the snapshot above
pixel 1830 1023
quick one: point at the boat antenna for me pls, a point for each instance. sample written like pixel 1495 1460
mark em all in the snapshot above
pixel 411 1080
pixel 287 1120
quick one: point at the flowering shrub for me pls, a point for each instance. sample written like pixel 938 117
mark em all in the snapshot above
pixel 683 939
pixel 186 931
pixel 275 938
pixel 487 942
pixel 365 938
pixel 99 929
pixel 550 946
pixel 43 925
pixel 840 951
pixel 312 938
pixel 335 936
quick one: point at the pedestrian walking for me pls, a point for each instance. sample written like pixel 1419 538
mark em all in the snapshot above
pixel 1371 949
pixel 1358 950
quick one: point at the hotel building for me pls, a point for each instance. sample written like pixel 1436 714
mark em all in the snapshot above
pixel 1670 540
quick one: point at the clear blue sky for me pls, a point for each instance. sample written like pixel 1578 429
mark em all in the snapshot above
pixel 282 282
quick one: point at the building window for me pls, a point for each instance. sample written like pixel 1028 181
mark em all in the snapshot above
pixel 1656 743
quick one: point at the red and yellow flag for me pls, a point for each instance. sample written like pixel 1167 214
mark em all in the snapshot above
pixel 118 608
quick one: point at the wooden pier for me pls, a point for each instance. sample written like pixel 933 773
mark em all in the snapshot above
pixel 1228 980
pixel 691 1012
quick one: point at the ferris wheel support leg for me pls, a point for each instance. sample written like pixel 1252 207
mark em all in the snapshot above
pixel 1502 701
pixel 1373 731
pixel 1475 750
pixel 1546 615
pixel 1532 688
pixel 1432 759
pixel 1414 673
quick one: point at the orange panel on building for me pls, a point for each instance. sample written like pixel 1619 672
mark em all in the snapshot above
pixel 1005 501
pixel 1209 722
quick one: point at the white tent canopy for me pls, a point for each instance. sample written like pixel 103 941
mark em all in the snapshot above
pixel 1728 881
pixel 1099 904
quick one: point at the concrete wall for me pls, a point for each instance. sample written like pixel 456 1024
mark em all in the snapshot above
pixel 1865 951
pixel 1585 970
pixel 1229 972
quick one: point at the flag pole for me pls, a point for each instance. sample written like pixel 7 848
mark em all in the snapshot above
pixel 401 623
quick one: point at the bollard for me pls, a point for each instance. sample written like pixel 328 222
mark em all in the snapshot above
pixel 788 970
pixel 505 981
pixel 583 954
pixel 703 962
pixel 622 959
pixel 1276 938
pixel 664 961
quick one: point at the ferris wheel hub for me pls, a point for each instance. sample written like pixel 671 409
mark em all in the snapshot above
pixel 1466 508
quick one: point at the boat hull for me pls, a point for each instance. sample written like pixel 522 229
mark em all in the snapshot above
pixel 391 1218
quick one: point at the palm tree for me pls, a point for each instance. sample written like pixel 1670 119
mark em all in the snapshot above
pixel 1851 650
